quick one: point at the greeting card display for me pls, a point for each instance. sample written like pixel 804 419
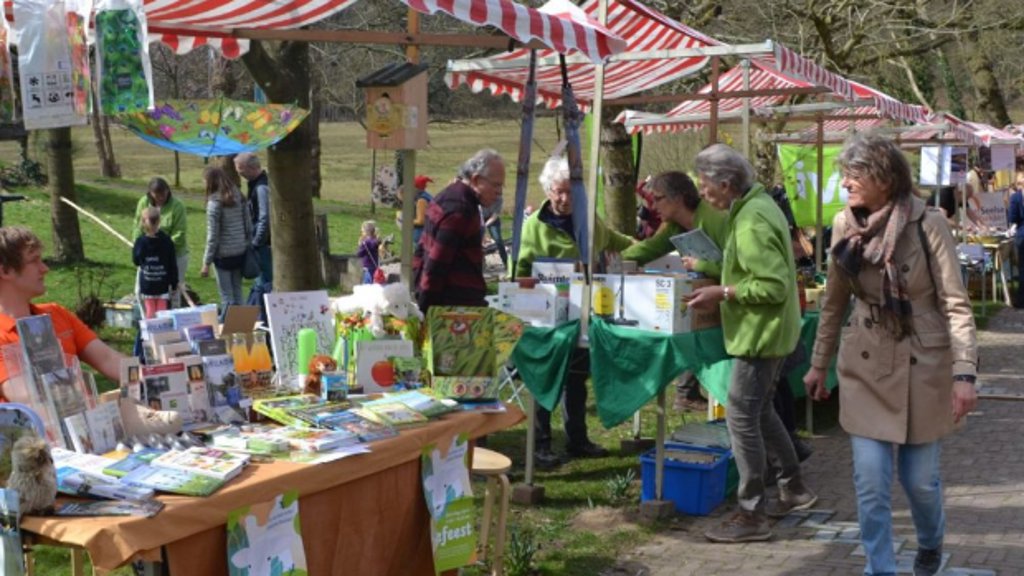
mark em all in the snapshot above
pixel 289 312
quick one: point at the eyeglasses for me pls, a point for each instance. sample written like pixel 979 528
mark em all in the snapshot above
pixel 498 187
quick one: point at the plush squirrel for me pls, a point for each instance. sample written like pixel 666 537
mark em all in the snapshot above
pixel 33 475
pixel 318 365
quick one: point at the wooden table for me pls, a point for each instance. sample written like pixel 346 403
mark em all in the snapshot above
pixel 360 515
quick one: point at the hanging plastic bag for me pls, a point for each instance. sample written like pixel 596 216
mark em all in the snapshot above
pixel 122 56
pixel 54 84
pixel 8 108
pixel 379 277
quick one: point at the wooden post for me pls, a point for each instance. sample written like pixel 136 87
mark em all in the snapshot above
pixel 713 132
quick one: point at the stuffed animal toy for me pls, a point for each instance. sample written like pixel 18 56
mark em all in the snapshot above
pixel 317 366
pixel 33 475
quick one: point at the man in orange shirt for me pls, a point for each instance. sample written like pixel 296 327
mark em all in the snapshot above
pixel 22 278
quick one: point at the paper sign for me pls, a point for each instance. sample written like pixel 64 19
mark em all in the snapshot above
pixel 800 177
pixel 449 497
pixel 264 539
pixel 933 159
pixel 993 210
pixel 1002 158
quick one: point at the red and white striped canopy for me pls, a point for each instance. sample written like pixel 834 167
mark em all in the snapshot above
pixel 186 24
pixel 642 28
pixel 945 127
pixel 783 69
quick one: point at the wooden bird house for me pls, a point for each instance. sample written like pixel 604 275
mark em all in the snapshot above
pixel 396 107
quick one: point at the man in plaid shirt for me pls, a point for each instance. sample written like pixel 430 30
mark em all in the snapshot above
pixel 449 260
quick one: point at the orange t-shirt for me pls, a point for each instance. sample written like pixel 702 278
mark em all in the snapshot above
pixel 73 334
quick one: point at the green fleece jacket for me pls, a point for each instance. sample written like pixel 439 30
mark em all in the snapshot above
pixel 762 320
pixel 715 224
pixel 542 240
pixel 172 222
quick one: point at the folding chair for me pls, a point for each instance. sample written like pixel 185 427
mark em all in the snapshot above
pixel 510 386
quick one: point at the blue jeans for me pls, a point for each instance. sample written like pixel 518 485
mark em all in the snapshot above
pixel 872 478
pixel 266 267
pixel 756 432
pixel 1018 243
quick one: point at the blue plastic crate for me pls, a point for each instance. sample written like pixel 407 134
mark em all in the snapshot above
pixel 695 488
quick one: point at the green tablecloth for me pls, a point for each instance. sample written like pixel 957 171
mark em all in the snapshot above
pixel 629 366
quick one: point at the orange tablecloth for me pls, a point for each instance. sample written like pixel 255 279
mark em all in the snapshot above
pixel 360 515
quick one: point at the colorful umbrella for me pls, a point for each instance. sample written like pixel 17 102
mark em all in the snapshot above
pixel 218 127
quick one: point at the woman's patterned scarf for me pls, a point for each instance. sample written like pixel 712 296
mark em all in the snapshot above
pixel 872 237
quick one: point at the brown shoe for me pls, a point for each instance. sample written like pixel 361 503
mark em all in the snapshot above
pixel 742 526
pixel 684 404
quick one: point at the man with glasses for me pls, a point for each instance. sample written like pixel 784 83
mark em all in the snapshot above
pixel 448 264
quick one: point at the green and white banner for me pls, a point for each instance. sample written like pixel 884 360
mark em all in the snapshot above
pixel 800 177
pixel 449 498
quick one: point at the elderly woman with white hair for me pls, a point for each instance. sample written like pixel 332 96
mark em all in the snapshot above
pixel 548 233
pixel 761 325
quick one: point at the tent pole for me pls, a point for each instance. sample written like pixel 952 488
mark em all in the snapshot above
pixel 713 97
pixel 592 174
pixel 746 108
pixel 819 211
pixel 412 54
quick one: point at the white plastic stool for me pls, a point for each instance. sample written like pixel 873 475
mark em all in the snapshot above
pixel 494 466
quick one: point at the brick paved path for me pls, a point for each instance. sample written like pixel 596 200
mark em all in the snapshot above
pixel 983 472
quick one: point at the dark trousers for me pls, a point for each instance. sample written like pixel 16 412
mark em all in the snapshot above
pixel 574 405
pixel 1018 243
pixel 495 231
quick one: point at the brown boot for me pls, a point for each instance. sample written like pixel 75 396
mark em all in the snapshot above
pixel 743 526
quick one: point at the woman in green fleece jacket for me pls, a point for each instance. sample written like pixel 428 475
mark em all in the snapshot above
pixel 761 324
pixel 548 233
pixel 677 200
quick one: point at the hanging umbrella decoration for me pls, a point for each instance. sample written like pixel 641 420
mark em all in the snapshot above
pixel 523 167
pixel 220 127
pixel 573 118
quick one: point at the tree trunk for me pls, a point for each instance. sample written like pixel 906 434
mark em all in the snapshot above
pixel 67 237
pixel 619 174
pixel 764 159
pixel 991 104
pixel 282 71
pixel 101 138
pixel 314 153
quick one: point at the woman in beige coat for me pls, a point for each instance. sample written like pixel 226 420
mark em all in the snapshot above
pixel 907 353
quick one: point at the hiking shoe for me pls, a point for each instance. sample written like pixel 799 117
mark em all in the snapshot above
pixel 588 450
pixel 927 561
pixel 743 526
pixel 685 404
pixel 792 497
pixel 545 459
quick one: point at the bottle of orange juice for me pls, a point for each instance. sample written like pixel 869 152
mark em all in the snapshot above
pixel 240 353
pixel 259 355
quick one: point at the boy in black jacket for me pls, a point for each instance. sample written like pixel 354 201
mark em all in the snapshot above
pixel 154 254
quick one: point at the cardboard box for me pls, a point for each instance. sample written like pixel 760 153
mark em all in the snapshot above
pixel 654 302
pixel 542 305
pixel 696 488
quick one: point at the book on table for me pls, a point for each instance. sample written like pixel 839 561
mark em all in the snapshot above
pixel 173 481
pixel 314 414
pixel 146 509
pixel 367 429
pixel 313 440
pixel 278 409
pixel 211 462
pixel 122 467
pixel 75 482
pixel 393 413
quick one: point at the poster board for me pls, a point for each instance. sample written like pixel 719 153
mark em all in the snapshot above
pixel 993 210
pixel 289 312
